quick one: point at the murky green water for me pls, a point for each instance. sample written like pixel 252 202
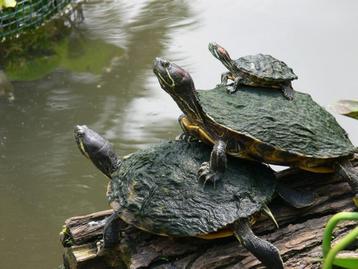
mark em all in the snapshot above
pixel 43 177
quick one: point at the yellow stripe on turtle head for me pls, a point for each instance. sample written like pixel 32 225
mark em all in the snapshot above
pixel 172 84
pixel 83 149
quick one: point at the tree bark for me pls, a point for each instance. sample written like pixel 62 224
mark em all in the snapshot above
pixel 299 237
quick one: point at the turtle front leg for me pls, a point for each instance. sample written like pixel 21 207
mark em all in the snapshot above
pixel 232 87
pixel 224 78
pixel 346 170
pixel 212 171
pixel 238 81
pixel 110 234
pixel 263 250
pixel 185 135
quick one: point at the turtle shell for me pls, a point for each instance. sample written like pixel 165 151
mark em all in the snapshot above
pixel 301 126
pixel 265 67
pixel 157 190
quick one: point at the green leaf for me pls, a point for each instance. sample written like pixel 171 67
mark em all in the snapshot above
pixel 7 3
pixel 348 108
pixel 348 262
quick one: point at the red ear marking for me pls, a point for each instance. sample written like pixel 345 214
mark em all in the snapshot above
pixel 181 72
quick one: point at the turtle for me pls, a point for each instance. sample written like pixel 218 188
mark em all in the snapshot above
pixel 156 190
pixel 259 124
pixel 260 70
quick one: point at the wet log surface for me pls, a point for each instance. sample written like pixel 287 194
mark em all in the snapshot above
pixel 299 237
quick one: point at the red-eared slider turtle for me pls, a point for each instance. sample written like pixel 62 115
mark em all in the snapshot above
pixel 157 191
pixel 259 124
pixel 258 70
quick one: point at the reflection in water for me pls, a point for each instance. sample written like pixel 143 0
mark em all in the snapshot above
pixel 146 37
pixel 6 88
pixel 44 179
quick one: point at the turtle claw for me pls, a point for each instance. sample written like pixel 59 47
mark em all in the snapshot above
pixel 231 89
pixel 186 137
pixel 204 166
pixel 205 174
pixel 100 247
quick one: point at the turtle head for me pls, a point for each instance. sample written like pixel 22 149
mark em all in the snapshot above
pixel 221 54
pixel 178 83
pixel 97 149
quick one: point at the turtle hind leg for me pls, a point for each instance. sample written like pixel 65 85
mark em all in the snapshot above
pixel 346 170
pixel 288 91
pixel 263 250
pixel 297 199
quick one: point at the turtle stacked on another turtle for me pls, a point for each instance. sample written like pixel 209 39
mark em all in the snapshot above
pixel 258 70
pixel 157 190
pixel 259 124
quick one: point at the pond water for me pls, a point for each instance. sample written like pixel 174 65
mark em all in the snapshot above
pixel 43 177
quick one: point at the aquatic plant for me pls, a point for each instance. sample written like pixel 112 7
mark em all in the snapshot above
pixel 330 253
pixel 347 108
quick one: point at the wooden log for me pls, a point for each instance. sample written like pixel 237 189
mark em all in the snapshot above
pixel 299 237
pixel 79 230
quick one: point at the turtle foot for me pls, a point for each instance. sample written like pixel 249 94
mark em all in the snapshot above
pixel 100 247
pixel 205 174
pixel 187 137
pixel 230 89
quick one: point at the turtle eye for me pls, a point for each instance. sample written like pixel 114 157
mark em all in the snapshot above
pixel 79 130
pixel 165 63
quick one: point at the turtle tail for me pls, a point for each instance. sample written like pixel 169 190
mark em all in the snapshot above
pixel 266 252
